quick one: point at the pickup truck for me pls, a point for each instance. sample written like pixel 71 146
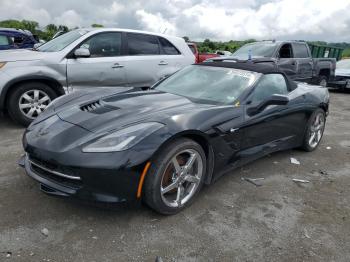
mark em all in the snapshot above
pixel 200 57
pixel 294 58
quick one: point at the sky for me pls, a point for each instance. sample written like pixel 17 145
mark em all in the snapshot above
pixel 220 20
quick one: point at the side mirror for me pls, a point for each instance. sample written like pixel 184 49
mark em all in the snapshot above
pixel 36 45
pixel 81 52
pixel 272 100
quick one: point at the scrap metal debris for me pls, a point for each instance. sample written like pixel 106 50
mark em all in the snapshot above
pixel 294 161
pixel 45 232
pixel 300 180
pixel 253 180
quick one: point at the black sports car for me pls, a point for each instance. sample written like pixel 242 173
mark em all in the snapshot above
pixel 161 145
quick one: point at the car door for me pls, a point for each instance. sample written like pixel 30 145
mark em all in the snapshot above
pixel 286 61
pixel 146 62
pixel 304 61
pixel 104 67
pixel 276 126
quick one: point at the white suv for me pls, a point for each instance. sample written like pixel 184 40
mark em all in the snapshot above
pixel 31 79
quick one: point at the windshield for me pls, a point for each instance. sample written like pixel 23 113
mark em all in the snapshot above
pixel 259 49
pixel 343 64
pixel 62 41
pixel 213 85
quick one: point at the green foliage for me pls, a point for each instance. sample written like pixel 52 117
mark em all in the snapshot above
pixel 346 52
pixel 96 25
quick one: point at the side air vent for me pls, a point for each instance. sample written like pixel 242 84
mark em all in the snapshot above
pixel 97 108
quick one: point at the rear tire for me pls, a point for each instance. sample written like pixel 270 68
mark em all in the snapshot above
pixel 314 131
pixel 28 100
pixel 171 187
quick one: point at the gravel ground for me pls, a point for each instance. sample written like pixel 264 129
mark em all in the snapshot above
pixel 231 220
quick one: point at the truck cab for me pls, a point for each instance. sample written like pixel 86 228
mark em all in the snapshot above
pixel 293 57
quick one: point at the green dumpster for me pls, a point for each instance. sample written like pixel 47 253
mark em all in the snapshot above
pixel 321 51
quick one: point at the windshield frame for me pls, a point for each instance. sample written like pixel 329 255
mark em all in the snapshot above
pixel 79 34
pixel 238 99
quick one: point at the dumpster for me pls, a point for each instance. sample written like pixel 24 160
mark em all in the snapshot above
pixel 322 51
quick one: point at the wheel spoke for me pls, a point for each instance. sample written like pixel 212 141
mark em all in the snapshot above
pixel 27 97
pixel 176 165
pixel 179 196
pixel 169 188
pixel 312 138
pixel 36 95
pixel 31 112
pixel 192 179
pixel 44 99
pixel 190 162
pixel 24 106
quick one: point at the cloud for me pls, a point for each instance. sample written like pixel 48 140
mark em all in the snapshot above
pixel 199 19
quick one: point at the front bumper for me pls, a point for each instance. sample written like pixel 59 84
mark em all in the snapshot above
pixel 100 185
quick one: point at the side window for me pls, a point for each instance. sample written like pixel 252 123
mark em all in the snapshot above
pixel 104 44
pixel 270 84
pixel 141 44
pixel 167 47
pixel 300 51
pixel 4 40
pixel 286 51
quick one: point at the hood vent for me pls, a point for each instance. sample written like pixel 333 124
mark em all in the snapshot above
pixel 97 107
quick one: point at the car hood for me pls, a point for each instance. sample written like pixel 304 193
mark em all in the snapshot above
pixel 123 109
pixel 20 55
pixel 342 72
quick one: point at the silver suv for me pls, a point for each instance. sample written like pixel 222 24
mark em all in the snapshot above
pixel 31 79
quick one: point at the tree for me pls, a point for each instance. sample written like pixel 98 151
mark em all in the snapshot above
pixel 186 38
pixel 96 25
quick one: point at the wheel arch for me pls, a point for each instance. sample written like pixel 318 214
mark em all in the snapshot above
pixel 6 91
pixel 203 140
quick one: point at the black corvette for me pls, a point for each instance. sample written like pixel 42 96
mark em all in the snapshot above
pixel 161 145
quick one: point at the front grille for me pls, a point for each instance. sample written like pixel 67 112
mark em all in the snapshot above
pixel 97 108
pixel 53 173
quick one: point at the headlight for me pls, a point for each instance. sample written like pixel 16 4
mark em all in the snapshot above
pixel 123 139
pixel 2 64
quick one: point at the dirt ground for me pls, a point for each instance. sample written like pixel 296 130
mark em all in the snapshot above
pixel 232 220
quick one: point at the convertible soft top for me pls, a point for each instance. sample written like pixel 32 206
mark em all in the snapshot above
pixel 264 66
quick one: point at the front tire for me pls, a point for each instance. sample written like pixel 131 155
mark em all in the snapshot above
pixel 28 100
pixel 175 177
pixel 314 131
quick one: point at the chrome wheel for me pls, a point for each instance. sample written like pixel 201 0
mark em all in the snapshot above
pixel 316 130
pixel 181 178
pixel 33 102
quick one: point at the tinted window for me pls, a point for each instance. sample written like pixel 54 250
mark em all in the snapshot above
pixel 271 84
pixel 4 40
pixel 140 44
pixel 286 51
pixel 300 51
pixel 104 44
pixel 168 47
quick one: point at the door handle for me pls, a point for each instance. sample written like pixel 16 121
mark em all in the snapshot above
pixel 162 63
pixel 117 65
